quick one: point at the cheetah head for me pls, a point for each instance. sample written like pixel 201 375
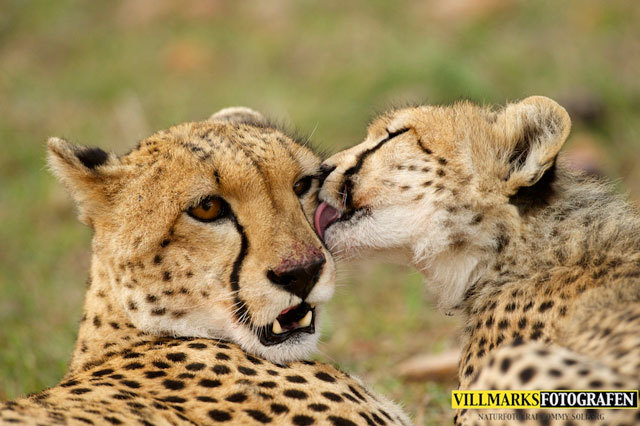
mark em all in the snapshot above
pixel 441 188
pixel 204 230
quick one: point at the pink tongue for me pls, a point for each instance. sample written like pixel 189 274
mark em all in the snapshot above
pixel 325 216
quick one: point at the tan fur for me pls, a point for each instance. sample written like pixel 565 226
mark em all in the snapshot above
pixel 164 338
pixel 528 253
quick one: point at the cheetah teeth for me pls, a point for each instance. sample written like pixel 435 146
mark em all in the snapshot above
pixel 306 321
pixel 277 329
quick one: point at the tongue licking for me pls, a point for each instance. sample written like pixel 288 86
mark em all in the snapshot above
pixel 325 216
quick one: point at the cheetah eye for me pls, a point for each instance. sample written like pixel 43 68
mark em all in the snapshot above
pixel 302 186
pixel 209 209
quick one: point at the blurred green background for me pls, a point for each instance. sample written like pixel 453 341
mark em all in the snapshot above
pixel 108 73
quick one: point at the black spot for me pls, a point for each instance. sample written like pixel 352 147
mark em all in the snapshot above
pixel 222 356
pixel 332 396
pixel 369 421
pixel 197 345
pixel 318 407
pixel 220 369
pixel 133 366
pixel 157 259
pixel 112 420
pixel 151 298
pixel 301 420
pixel 154 374
pixel 96 321
pixel 173 384
pixel 595 384
pixel 92 157
pixel 505 364
pixel 195 366
pixel 247 371
pixel 503 324
pixel 98 373
pixel 166 276
pixel 219 415
pixel 468 371
pixel 268 385
pixel 208 383
pixel 522 323
pixel 535 335
pixel 279 408
pixel 174 399
pixel 325 377
pixel 295 394
pixel 158 311
pixel 237 397
pixel 555 372
pixel 253 359
pixel 258 416
pixel 357 394
pixel 206 399
pixel 165 242
pixel 161 364
pixel 341 421
pixel 80 419
pixel 527 374
pixel 80 391
pixel 489 321
pixel 544 306
pixel 296 379
pixel 177 357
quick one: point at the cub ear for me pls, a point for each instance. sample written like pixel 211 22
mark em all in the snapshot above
pixel 90 175
pixel 240 115
pixel 533 131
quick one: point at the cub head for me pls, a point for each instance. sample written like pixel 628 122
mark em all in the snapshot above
pixel 204 230
pixel 441 188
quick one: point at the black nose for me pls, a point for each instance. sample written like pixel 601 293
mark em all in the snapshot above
pixel 299 278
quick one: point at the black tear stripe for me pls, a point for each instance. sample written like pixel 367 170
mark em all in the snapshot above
pixel 241 311
pixel 348 183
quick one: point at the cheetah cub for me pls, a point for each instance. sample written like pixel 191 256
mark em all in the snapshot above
pixel 542 264
pixel 207 280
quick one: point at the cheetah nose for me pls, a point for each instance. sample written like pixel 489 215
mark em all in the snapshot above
pixel 298 278
pixel 325 216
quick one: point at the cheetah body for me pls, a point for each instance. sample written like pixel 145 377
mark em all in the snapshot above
pixel 202 236
pixel 542 264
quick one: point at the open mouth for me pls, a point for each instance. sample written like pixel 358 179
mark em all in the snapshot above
pixel 325 216
pixel 291 322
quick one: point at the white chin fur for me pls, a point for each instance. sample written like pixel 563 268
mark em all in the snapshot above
pixel 391 233
pixel 215 326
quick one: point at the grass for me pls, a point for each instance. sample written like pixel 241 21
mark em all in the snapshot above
pixel 109 73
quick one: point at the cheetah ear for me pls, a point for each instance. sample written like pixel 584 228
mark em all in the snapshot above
pixel 533 131
pixel 90 175
pixel 240 115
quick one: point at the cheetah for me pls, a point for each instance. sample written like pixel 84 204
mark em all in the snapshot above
pixel 206 285
pixel 542 264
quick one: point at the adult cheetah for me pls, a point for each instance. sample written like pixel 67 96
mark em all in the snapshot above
pixel 206 282
pixel 542 264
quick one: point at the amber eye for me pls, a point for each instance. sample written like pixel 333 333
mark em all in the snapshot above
pixel 209 209
pixel 302 186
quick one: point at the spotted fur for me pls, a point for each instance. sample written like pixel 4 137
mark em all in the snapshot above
pixel 174 306
pixel 531 256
